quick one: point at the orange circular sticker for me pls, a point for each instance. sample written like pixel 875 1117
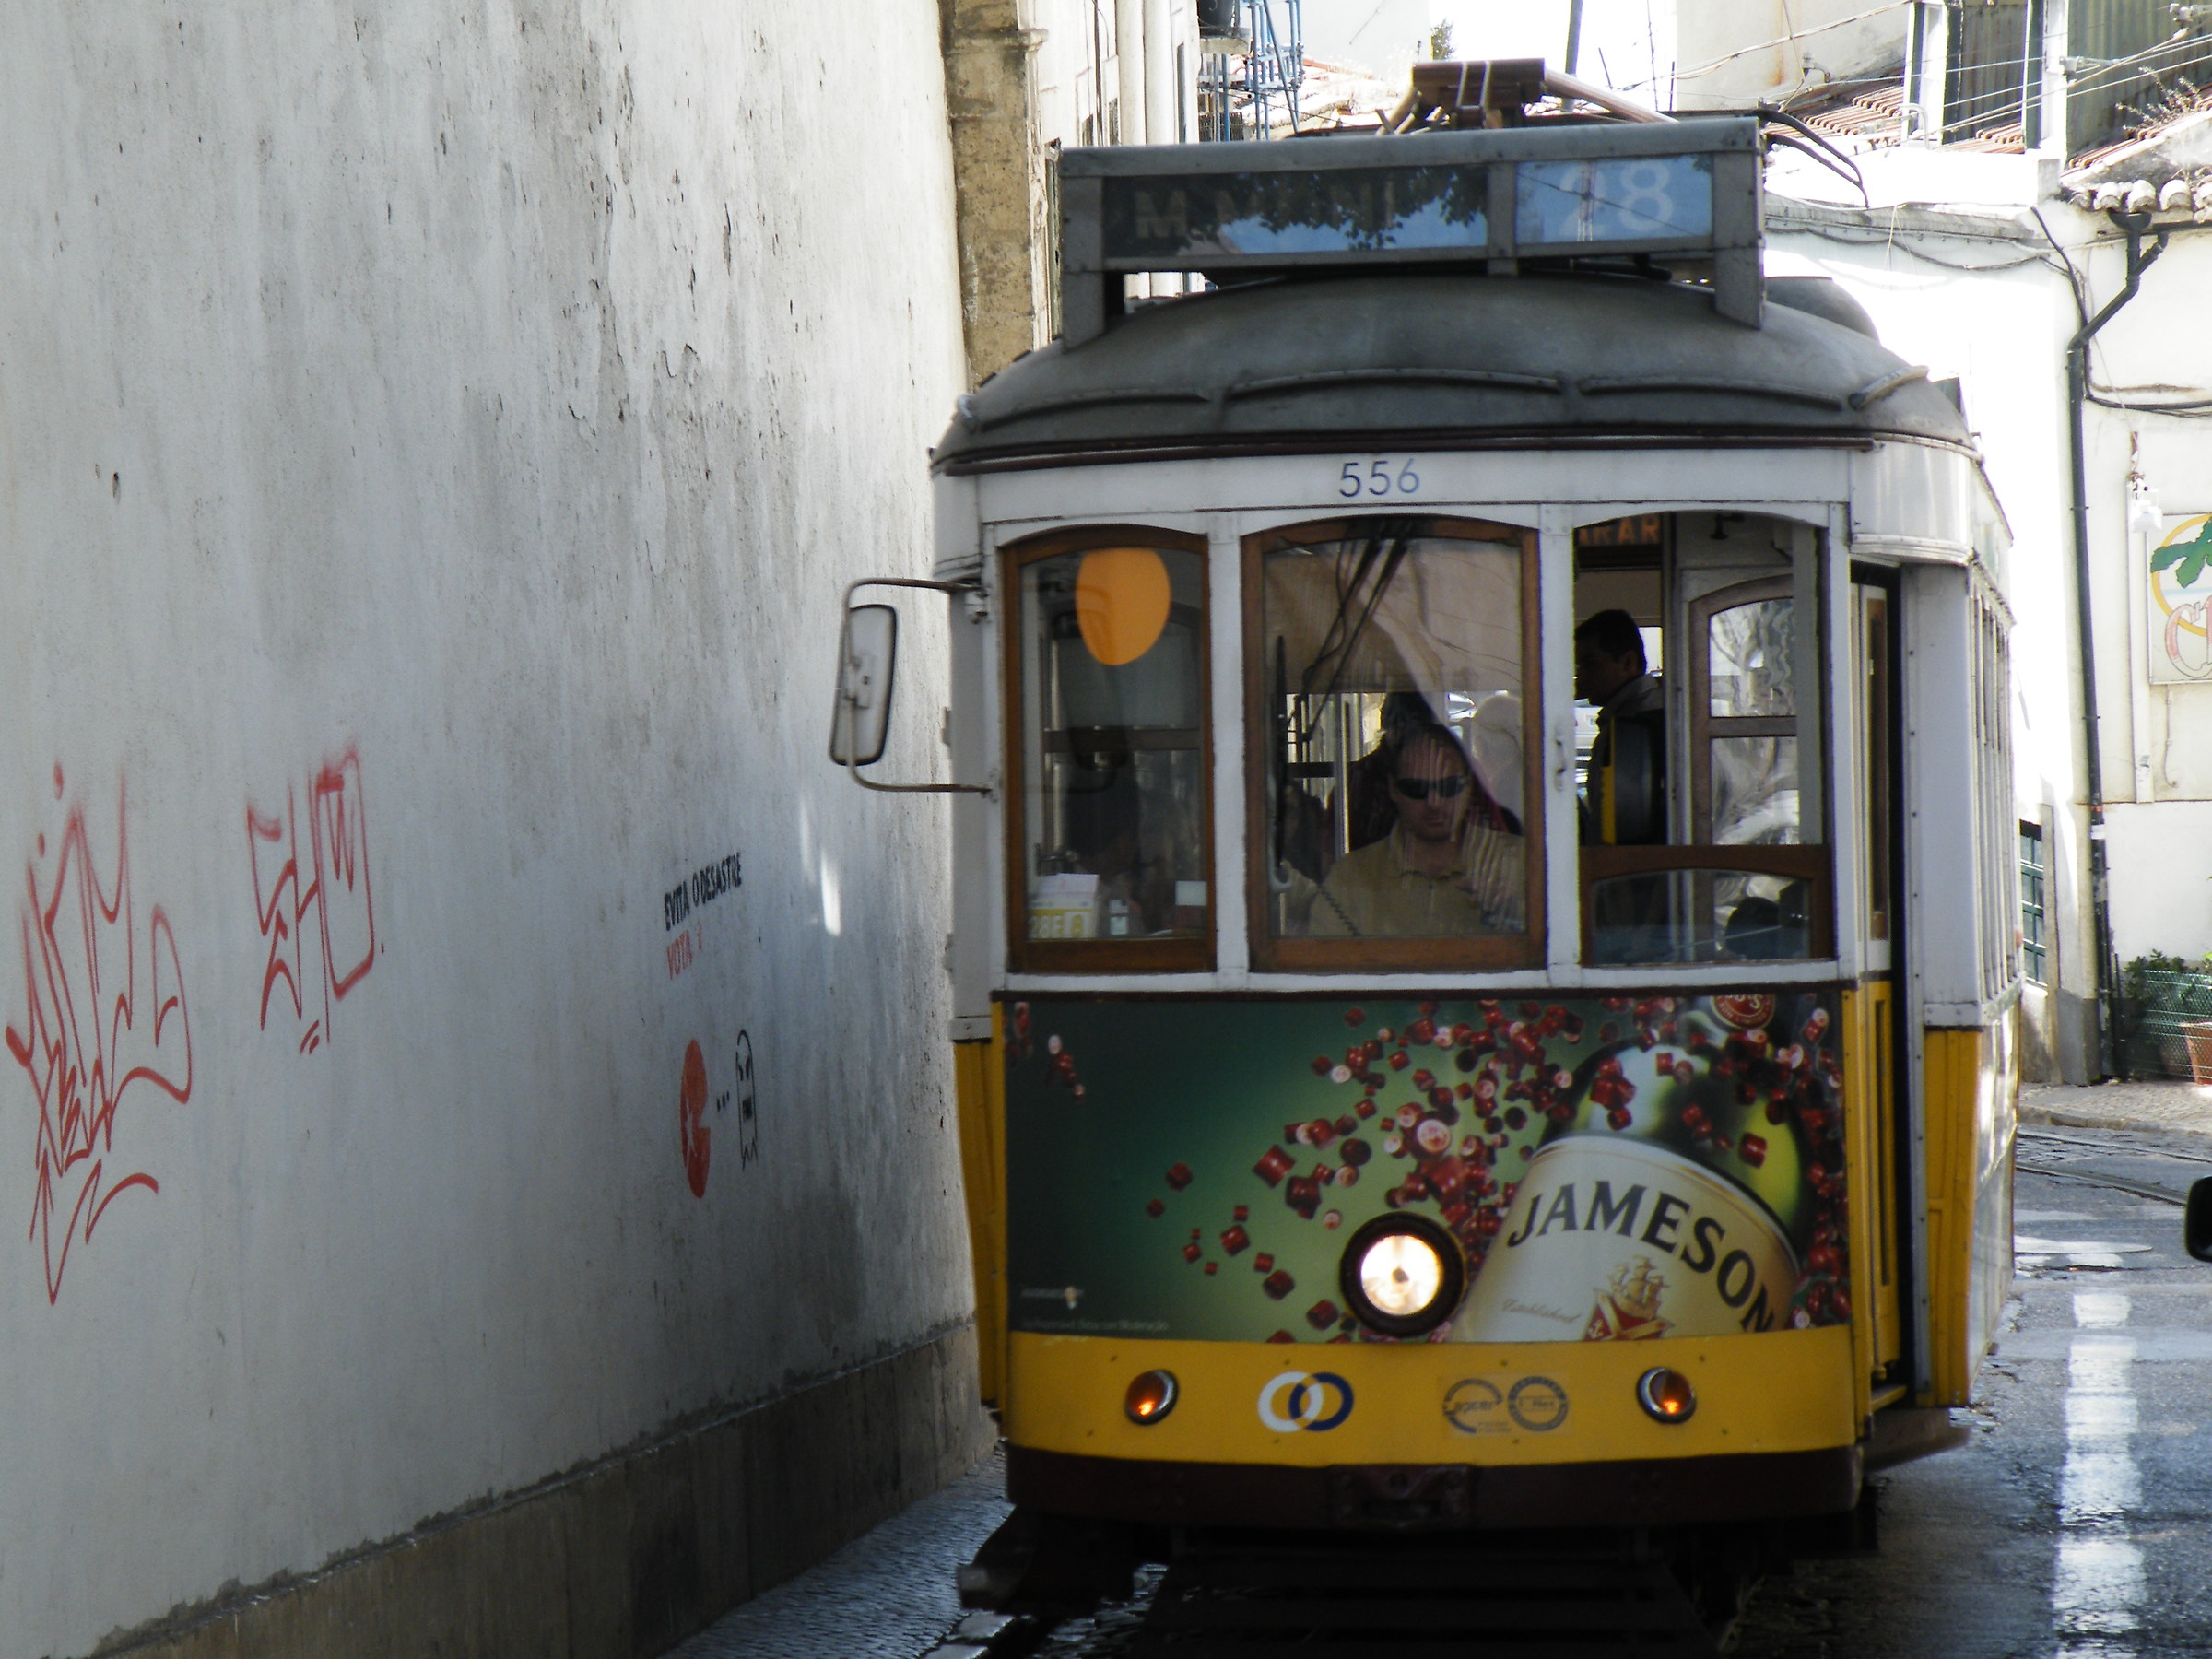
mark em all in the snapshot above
pixel 692 1134
pixel 1122 599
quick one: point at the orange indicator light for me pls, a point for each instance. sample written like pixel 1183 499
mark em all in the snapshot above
pixel 1151 1397
pixel 1666 1394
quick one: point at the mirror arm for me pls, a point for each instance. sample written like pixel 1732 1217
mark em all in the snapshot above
pixel 852 760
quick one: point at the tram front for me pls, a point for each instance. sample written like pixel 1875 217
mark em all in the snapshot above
pixel 1444 1034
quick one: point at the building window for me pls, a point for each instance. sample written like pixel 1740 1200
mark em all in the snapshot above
pixel 2034 948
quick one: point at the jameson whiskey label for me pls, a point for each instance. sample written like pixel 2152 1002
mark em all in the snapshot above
pixel 1611 1241
pixel 1612 1168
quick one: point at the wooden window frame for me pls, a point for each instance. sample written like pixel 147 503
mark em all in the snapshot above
pixel 1806 864
pixel 1810 861
pixel 1492 954
pixel 1025 955
pixel 1704 725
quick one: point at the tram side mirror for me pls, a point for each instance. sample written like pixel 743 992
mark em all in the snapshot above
pixel 2196 1221
pixel 867 651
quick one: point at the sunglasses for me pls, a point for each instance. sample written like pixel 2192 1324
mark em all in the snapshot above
pixel 1420 789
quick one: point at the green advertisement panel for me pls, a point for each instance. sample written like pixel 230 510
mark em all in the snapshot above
pixel 1610 1168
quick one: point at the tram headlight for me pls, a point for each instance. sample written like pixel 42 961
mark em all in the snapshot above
pixel 1666 1395
pixel 1401 1274
pixel 1151 1397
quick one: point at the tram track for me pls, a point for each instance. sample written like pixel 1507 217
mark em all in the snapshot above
pixel 2061 1169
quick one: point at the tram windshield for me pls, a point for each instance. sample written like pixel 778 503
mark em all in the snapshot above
pixel 1394 661
pixel 1112 756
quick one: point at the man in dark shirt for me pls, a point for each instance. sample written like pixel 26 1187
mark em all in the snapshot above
pixel 1624 803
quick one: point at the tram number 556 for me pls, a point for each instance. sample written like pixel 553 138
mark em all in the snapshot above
pixel 1377 478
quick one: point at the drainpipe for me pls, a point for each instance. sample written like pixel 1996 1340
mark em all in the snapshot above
pixel 2078 392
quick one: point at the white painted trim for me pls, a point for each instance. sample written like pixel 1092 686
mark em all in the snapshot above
pixel 1845 834
pixel 1001 803
pixel 1553 683
pixel 1649 979
pixel 1232 851
pixel 1600 484
pixel 1972 1015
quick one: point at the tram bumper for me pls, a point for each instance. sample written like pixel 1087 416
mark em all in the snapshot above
pixel 1751 1486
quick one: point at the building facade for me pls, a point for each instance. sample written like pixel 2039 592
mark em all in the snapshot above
pixel 1987 257
pixel 1026 79
pixel 474 1084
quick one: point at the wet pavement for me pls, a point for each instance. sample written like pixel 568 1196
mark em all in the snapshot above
pixel 2076 1523
pixel 888 1594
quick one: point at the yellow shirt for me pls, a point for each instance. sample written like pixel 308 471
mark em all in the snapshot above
pixel 1374 893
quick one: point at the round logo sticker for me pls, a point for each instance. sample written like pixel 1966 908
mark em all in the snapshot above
pixel 1314 1400
pixel 1746 1011
pixel 1537 1405
pixel 1473 1406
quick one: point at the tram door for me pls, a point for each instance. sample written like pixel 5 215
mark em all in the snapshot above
pixel 1880 1099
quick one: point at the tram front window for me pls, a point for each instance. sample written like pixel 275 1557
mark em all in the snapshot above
pixel 1111 753
pixel 1697 816
pixel 1392 660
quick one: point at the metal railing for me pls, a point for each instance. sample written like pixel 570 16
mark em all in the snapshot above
pixel 2160 1010
pixel 1246 92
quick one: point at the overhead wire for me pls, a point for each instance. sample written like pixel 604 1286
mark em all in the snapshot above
pixel 1679 73
pixel 2136 64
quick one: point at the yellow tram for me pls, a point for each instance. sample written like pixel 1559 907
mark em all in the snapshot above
pixel 1394 1091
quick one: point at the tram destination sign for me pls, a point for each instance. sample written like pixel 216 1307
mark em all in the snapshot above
pixel 1689 190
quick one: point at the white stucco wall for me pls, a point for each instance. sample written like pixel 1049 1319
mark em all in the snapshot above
pixel 1772 48
pixel 1996 312
pixel 476 412
pixel 2158 748
pixel 2161 878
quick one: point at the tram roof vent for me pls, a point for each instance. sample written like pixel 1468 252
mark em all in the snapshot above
pixel 1545 197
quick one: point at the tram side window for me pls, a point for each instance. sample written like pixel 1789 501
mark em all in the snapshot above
pixel 1111 755
pixel 1395 820
pixel 1718 747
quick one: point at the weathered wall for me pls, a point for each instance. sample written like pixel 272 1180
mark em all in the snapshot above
pixel 431 447
pixel 1730 56
pixel 1024 77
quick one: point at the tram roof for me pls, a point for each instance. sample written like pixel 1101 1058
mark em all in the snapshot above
pixel 1441 360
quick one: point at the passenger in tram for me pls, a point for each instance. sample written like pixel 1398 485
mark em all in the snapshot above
pixel 1630 758
pixel 1372 803
pixel 1440 870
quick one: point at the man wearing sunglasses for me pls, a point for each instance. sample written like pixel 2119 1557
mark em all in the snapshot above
pixel 1440 871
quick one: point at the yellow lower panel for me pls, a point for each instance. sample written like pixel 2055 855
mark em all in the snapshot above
pixel 1971 1105
pixel 979 1074
pixel 1519 1403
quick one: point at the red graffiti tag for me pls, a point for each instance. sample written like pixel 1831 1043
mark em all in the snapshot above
pixel 95 1027
pixel 692 1134
pixel 333 901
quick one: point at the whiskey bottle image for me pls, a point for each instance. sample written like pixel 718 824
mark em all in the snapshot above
pixel 1691 1177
